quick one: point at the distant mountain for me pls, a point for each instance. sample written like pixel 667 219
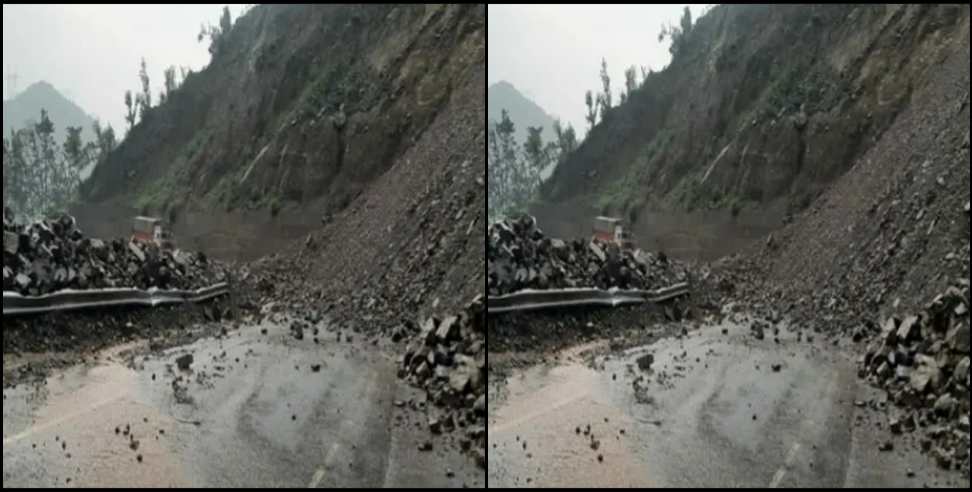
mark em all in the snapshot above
pixel 524 112
pixel 25 109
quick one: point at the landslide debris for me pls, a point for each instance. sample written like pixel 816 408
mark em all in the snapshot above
pixel 410 246
pixel 520 256
pixel 54 255
pixel 448 360
pixel 922 361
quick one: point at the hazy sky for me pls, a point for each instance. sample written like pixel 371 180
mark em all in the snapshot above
pixel 552 53
pixel 91 53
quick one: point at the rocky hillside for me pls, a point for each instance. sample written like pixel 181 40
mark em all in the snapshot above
pixel 893 232
pixel 763 107
pixel 304 108
pixel 410 246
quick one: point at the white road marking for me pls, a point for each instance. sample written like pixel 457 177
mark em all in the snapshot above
pixel 317 479
pixel 56 422
pixel 781 473
pixel 535 415
pixel 319 475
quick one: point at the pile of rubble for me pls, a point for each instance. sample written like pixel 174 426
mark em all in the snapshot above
pixel 519 257
pixel 923 364
pixel 448 361
pixel 54 255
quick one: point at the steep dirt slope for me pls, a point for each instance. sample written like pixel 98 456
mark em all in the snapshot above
pixel 763 108
pixel 412 245
pixel 306 107
pixel 893 233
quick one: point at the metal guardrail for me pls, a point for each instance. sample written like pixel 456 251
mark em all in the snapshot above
pixel 534 300
pixel 15 304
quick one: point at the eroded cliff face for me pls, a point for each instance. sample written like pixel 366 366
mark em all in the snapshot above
pixel 303 110
pixel 763 109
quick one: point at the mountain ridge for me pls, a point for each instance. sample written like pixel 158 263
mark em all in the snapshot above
pixel 523 111
pixel 26 106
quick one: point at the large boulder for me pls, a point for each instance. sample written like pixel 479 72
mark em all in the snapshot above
pixel 927 376
pixel 958 338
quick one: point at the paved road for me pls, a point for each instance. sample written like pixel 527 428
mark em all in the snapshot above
pixel 721 417
pixel 254 415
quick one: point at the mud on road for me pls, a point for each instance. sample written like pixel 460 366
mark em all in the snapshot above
pixel 717 408
pixel 256 407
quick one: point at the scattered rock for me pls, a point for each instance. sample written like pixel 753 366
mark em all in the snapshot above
pixel 958 338
pixel 644 362
pixel 895 426
pixel 480 406
pixel 184 362
pixel 946 406
pixel 943 458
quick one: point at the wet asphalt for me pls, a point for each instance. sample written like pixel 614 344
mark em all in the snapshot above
pixel 251 412
pixel 711 413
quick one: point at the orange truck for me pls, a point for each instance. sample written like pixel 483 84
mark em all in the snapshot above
pixel 612 230
pixel 151 230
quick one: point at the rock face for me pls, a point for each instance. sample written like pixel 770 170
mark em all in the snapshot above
pixel 448 360
pixel 381 109
pixel 54 255
pixel 923 364
pixel 646 154
pixel 519 257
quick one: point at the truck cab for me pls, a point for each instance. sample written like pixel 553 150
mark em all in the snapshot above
pixel 612 230
pixel 152 230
